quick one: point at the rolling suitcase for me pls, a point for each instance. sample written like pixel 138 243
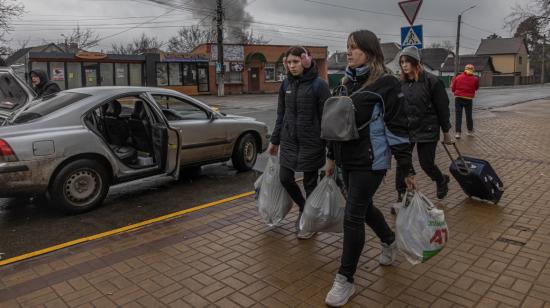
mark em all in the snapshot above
pixel 476 176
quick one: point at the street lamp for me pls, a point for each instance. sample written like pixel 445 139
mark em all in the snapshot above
pixel 457 56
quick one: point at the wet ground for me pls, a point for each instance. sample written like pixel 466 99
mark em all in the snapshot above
pixel 27 225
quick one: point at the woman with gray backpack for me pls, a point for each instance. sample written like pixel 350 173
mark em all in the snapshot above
pixel 298 126
pixel 380 129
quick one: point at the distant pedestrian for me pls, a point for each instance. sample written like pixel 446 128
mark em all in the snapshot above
pixel 42 85
pixel 298 127
pixel 428 113
pixel 464 87
pixel 378 99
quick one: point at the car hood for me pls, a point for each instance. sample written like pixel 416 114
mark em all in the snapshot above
pixel 14 93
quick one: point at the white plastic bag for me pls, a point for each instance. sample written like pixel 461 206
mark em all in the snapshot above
pixel 274 203
pixel 421 230
pixel 324 209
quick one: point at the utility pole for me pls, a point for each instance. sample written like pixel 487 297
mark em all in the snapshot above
pixel 457 56
pixel 543 58
pixel 220 67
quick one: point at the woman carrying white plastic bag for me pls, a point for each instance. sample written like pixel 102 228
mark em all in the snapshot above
pixel 274 203
pixel 421 230
pixel 324 209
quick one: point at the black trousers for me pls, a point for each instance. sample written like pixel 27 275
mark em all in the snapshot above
pixel 289 183
pixel 426 157
pixel 360 210
pixel 465 103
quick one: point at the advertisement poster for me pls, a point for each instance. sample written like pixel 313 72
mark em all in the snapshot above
pixel 120 73
pixel 58 74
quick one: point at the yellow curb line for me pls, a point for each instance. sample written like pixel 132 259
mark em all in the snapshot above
pixel 132 227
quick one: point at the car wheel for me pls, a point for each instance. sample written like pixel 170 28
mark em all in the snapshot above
pixel 245 153
pixel 80 186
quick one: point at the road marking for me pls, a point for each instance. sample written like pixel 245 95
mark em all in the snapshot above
pixel 132 227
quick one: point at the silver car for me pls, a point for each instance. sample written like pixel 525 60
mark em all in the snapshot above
pixel 73 145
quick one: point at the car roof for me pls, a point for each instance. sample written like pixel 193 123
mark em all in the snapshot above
pixel 116 90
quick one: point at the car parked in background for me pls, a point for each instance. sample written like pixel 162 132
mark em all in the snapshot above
pixel 73 145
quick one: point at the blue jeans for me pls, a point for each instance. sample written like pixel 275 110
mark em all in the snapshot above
pixel 360 210
pixel 465 103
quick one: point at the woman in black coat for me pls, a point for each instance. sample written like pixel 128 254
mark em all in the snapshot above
pixel 428 113
pixel 377 98
pixel 297 130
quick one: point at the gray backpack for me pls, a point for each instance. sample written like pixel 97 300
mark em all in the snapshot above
pixel 338 121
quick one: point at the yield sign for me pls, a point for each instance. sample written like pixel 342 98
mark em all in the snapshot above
pixel 410 9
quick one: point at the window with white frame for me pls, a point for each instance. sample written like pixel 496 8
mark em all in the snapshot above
pixel 269 70
pixel 280 72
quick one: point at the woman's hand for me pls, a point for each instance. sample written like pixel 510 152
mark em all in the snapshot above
pixel 410 182
pixel 273 149
pixel 329 169
pixel 447 138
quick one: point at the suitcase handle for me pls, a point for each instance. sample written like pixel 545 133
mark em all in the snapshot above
pixel 464 170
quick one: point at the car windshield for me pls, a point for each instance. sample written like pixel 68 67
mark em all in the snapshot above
pixel 12 95
pixel 47 105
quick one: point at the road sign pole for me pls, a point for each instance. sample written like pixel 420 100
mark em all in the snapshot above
pixel 457 56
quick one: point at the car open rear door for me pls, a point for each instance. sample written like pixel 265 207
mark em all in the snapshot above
pixel 173 153
pixel 15 94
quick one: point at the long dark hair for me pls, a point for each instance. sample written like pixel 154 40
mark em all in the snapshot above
pixel 416 68
pixel 368 43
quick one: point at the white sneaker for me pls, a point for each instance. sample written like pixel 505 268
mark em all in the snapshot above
pixel 470 133
pixel 387 256
pixel 457 136
pixel 305 235
pixel 341 291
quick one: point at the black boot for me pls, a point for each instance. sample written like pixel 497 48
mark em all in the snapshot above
pixel 443 187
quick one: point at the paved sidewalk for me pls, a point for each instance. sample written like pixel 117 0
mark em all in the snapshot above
pixel 224 256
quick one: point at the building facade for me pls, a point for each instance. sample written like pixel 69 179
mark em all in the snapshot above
pixel 510 58
pixel 254 68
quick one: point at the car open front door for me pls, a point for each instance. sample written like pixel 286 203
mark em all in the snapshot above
pixel 173 152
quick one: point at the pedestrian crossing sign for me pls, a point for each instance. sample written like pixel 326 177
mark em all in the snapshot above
pixel 411 36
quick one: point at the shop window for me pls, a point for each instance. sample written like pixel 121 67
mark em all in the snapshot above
pixel 162 74
pixel 269 70
pixel 106 78
pixel 189 74
pixel 40 66
pixel 136 73
pixel 174 74
pixel 57 73
pixel 74 75
pixel 233 72
pixel 121 74
pixel 280 71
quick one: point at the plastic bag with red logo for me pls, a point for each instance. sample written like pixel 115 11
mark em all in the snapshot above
pixel 421 230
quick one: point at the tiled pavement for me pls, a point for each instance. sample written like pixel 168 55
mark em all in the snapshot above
pixel 497 255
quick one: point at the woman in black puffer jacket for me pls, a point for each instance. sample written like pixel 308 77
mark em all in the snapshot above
pixel 298 126
pixel 377 97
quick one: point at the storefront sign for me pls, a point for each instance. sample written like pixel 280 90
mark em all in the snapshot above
pixel 58 74
pixel 230 53
pixel 90 55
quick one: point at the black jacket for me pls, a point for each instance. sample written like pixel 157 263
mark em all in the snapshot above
pixel 45 87
pixel 298 125
pixel 427 107
pixel 358 154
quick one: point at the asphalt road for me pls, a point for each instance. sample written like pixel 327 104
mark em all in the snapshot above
pixel 27 225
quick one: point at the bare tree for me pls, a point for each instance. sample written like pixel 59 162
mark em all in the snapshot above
pixel 9 9
pixel 188 38
pixel 493 36
pixel 539 9
pixel 140 45
pixel 251 38
pixel 80 39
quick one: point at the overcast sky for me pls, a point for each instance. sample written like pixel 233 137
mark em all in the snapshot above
pixel 289 22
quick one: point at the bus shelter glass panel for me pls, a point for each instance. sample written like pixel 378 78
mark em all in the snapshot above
pixel 90 74
pixel 121 74
pixel 57 74
pixel 136 78
pixel 107 74
pixel 74 75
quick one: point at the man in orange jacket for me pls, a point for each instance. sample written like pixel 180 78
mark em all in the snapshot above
pixel 464 87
